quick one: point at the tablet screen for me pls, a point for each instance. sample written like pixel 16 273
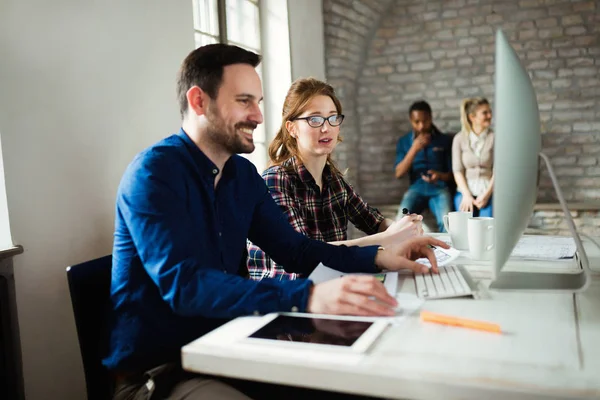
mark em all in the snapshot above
pixel 336 332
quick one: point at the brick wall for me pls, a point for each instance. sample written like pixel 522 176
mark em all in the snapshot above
pixel 553 222
pixel 349 30
pixel 382 55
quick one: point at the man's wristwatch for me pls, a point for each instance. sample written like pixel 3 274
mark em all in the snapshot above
pixel 377 267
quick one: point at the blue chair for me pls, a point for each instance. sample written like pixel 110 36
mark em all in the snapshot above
pixel 89 286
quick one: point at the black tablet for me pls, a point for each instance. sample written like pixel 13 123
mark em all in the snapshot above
pixel 325 332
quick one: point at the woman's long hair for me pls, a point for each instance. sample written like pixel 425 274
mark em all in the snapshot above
pixel 468 107
pixel 284 146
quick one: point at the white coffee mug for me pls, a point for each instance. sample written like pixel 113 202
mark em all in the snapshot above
pixel 456 225
pixel 481 237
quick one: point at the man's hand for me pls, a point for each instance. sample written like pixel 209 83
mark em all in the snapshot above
pixel 403 255
pixel 432 176
pixel 421 141
pixel 466 204
pixel 351 295
pixel 482 201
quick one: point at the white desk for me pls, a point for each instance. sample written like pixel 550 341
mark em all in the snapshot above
pixel 551 349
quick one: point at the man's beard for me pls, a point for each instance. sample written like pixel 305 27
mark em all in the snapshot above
pixel 226 137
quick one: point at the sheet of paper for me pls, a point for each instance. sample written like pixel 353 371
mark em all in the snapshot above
pixel 443 256
pixel 545 247
pixel 324 274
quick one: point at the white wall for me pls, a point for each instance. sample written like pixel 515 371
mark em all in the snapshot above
pixel 84 85
pixel 307 42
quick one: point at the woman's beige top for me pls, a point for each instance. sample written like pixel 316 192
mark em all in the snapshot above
pixel 473 155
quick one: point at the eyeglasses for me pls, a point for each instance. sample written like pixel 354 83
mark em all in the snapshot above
pixel 317 122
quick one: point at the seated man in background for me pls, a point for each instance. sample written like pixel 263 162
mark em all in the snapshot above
pixel 425 154
pixel 184 210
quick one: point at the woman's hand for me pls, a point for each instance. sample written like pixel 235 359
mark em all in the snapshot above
pixel 482 201
pixel 407 227
pixel 466 203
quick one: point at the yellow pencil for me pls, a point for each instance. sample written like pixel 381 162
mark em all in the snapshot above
pixel 428 316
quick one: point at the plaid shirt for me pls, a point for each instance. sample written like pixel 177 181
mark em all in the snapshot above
pixel 319 216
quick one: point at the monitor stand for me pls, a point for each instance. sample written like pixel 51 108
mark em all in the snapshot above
pixel 576 281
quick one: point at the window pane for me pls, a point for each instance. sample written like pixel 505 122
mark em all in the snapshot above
pixel 259 134
pixel 244 46
pixel 206 16
pixel 259 71
pixel 5 236
pixel 202 39
pixel 243 25
pixel 258 157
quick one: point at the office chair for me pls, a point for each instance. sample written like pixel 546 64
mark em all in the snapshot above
pixel 89 286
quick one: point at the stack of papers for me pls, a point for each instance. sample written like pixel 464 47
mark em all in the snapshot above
pixel 545 248
pixel 534 247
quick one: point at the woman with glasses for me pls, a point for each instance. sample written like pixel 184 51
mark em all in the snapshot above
pixel 310 189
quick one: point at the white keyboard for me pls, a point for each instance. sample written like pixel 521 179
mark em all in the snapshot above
pixel 449 283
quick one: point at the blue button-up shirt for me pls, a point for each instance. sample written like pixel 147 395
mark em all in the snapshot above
pixel 436 156
pixel 178 246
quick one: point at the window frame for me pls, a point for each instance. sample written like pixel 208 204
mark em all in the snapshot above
pixel 260 142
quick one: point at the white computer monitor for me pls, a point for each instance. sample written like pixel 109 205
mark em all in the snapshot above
pixel 517 151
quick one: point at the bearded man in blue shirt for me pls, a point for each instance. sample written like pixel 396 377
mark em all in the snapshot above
pixel 184 209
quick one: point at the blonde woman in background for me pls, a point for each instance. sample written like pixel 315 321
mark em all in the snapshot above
pixel 309 188
pixel 473 158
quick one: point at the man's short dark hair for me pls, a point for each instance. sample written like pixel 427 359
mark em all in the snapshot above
pixel 420 105
pixel 203 67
